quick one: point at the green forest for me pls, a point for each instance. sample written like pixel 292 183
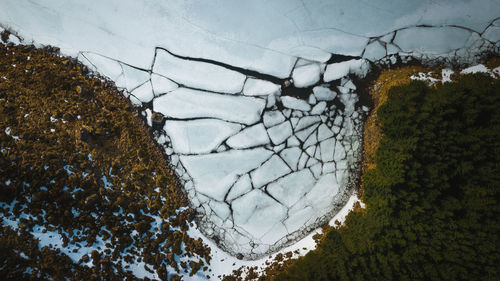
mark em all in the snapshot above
pixel 432 210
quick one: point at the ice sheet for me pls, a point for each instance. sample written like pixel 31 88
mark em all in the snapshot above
pixel 197 74
pixel 187 103
pixel 214 174
pixel 199 136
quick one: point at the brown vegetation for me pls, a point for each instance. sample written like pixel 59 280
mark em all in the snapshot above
pixel 76 157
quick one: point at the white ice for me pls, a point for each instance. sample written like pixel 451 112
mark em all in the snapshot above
pixel 240 187
pixel 272 169
pixel 323 93
pixel 199 136
pixel 306 75
pixel 272 118
pixel 425 39
pixel 258 87
pixel 214 174
pixel 324 132
pixel 256 212
pixel 338 70
pixel 162 85
pixel 280 133
pixel 318 108
pixel 294 103
pixel 199 75
pixel 291 156
pixel 252 136
pixel 291 188
pixel 265 36
pixel 306 121
pixel 187 103
pixel 144 92
pixel 374 51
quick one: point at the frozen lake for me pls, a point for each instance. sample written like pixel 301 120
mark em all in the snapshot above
pixel 261 117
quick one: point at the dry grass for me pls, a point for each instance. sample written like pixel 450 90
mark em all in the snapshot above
pixel 73 131
pixel 378 91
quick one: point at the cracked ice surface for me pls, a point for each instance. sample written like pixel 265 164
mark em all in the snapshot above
pixel 260 174
pixel 261 164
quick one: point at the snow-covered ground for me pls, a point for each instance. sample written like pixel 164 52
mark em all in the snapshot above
pixel 262 120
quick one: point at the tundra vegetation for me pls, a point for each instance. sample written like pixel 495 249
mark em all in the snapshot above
pixel 78 161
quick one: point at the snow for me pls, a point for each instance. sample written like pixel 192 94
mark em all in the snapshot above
pixel 294 103
pixel 446 74
pixel 49 237
pixel 323 93
pixel 258 87
pixel 475 69
pixel 306 75
pixel 187 103
pixel 424 77
pixel 252 136
pixel 199 136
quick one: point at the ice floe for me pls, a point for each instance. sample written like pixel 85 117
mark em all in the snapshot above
pixel 306 75
pixel 186 103
pixel 196 74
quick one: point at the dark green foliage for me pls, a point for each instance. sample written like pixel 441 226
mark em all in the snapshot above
pixel 432 202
